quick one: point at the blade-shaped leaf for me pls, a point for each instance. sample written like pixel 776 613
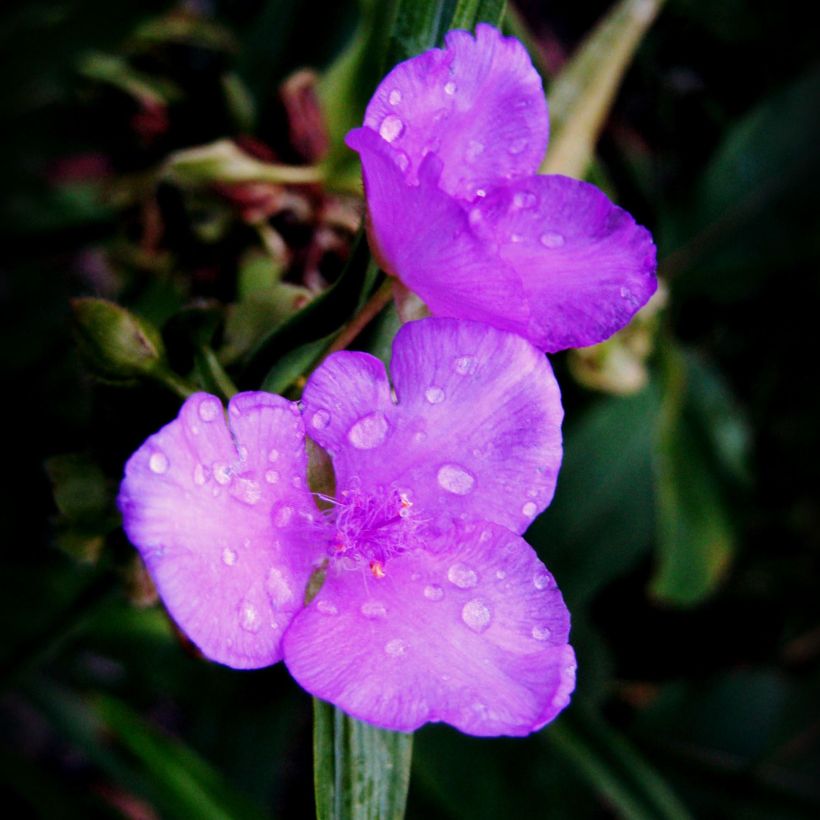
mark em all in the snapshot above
pixel 360 772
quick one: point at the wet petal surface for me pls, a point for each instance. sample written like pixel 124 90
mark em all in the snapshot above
pixel 215 512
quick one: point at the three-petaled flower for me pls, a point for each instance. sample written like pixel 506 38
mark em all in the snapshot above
pixel 433 607
pixel 450 146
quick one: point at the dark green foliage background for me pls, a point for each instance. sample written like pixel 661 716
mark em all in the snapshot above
pixel 698 692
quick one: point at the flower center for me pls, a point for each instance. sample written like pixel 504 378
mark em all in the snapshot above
pixel 370 528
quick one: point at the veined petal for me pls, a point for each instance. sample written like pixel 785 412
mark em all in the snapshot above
pixel 212 509
pixel 585 266
pixel 478 104
pixel 430 242
pixel 472 632
pixel 475 433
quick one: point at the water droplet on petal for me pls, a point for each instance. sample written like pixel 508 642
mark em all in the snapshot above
pixel 500 574
pixel 278 589
pixel 529 509
pixel 476 614
pixel 249 619
pixel 247 490
pixel 271 476
pixel 373 609
pixel 474 217
pixel 480 192
pixel 542 579
pixel 541 633
pixel 200 476
pixel 465 365
pixel 228 557
pixel 516 237
pixel 273 455
pixel 523 200
pixel 402 160
pixel 395 648
pixel 435 395
pixel 517 146
pixel 433 592
pixel 550 239
pixel 158 463
pixel 321 419
pixel 474 149
pixel 326 608
pixel 209 409
pixel 391 128
pixel 450 88
pixel 368 432
pixel 222 473
pixel 283 516
pixel 394 97
pixel 462 576
pixel 455 479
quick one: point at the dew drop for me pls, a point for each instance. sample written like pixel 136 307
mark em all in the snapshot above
pixel 208 409
pixel 480 192
pixel 247 490
pixel 516 238
pixel 326 608
pixel 476 614
pixel 435 395
pixel 283 516
pixel 461 576
pixel 395 647
pixel 455 479
pixel 433 592
pixel 278 589
pixel 249 618
pixel 450 88
pixel 550 239
pixel 523 200
pixel 541 633
pixel 271 476
pixel 517 146
pixel 474 149
pixel 394 97
pixel 368 432
pixel 222 473
pixel 391 128
pixel 321 419
pixel 542 579
pixel 242 451
pixel 529 509
pixel 200 476
pixel 228 557
pixel 273 455
pixel 465 365
pixel 373 609
pixel 158 463
pixel 474 217
pixel 500 574
pixel 402 160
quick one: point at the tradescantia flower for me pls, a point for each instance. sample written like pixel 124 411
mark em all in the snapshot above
pixel 433 607
pixel 451 143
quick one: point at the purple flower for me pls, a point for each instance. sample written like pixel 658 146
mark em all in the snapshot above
pixel 433 607
pixel 450 146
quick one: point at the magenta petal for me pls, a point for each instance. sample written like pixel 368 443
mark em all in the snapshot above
pixel 585 266
pixel 476 432
pixel 478 104
pixel 424 237
pixel 203 505
pixel 473 633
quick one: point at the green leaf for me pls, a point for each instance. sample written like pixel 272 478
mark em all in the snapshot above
pixel 613 767
pixel 695 533
pixel 601 521
pixel 360 772
pixel 581 96
pixel 295 363
pixel 470 12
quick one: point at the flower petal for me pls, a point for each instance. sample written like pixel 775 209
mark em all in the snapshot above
pixel 476 432
pixel 473 633
pixel 425 238
pixel 202 503
pixel 478 104
pixel 585 266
